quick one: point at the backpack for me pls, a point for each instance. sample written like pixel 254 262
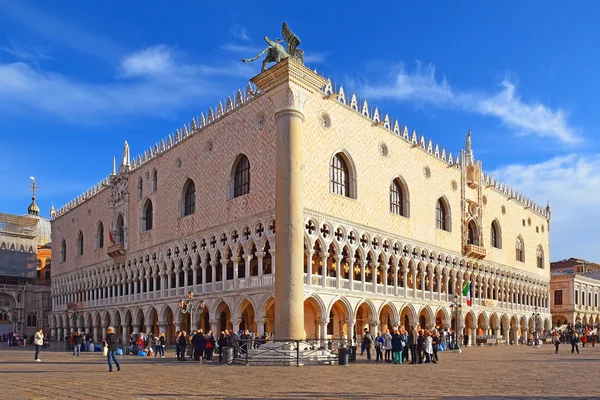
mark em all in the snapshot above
pixel 368 339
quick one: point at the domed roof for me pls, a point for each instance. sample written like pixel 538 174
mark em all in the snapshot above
pixel 43 229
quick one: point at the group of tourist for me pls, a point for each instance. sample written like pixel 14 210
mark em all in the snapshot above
pixel 573 337
pixel 398 344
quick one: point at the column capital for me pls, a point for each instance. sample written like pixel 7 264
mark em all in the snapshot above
pixel 235 260
pixel 261 321
pixel 323 320
pixel 236 321
pixel 351 321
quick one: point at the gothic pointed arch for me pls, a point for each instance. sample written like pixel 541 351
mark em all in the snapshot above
pixel 496 235
pixel 540 257
pixel 520 249
pixel 188 198
pixel 100 235
pixel 399 197
pixel 240 176
pixel 79 244
pixel 154 184
pixel 63 250
pixel 342 175
pixel 472 233
pixel 119 229
pixel 443 220
pixel 147 216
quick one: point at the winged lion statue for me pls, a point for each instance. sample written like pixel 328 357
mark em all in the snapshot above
pixel 276 52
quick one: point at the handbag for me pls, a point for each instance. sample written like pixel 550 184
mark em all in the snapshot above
pixel 105 351
pixel 208 345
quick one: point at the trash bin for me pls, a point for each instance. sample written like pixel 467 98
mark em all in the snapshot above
pixel 343 356
pixel 352 355
pixel 228 354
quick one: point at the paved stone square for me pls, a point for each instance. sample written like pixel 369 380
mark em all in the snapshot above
pixel 504 372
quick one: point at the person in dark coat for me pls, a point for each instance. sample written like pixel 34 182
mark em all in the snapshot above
pixel 199 343
pixel 182 341
pixel 397 347
pixel 111 342
pixel 222 342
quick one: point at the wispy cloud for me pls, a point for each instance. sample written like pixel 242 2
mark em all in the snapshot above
pixel 152 81
pixel 572 185
pixel 24 53
pixel 239 32
pixel 242 49
pixel 528 118
pixel 315 58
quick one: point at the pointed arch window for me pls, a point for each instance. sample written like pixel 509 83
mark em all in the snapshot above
pixel 241 178
pixel 189 198
pixel 80 243
pixel 100 235
pixel 63 250
pixel 147 216
pixel 154 185
pixel 140 188
pixel 495 237
pixel 540 257
pixel 442 215
pixel 398 198
pixel 119 230
pixel 339 176
pixel 520 250
pixel 472 234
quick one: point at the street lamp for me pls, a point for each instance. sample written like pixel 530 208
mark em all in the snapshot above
pixel 73 315
pixel 578 325
pixel 189 305
pixel 535 315
pixel 455 306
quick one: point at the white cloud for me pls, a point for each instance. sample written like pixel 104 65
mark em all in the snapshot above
pixel 572 185
pixel 153 60
pixel 532 118
pixel 239 32
pixel 156 83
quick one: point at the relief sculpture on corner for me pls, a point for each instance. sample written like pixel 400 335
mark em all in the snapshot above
pixel 276 52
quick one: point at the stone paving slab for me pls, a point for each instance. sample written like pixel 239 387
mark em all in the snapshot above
pixel 488 373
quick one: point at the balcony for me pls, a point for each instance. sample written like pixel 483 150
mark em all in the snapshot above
pixel 474 251
pixel 116 250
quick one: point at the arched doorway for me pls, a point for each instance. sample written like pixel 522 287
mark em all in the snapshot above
pixel 363 317
pixel 311 319
pixel 117 325
pixel 247 316
pixel 387 318
pixel 223 317
pixel 406 319
pixel 337 326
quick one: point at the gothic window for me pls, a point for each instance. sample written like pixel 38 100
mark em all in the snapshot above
pixel 100 235
pixel 442 215
pixel 147 216
pixel 520 250
pixel 140 188
pixel 495 236
pixel 189 198
pixel 4 315
pixel 241 179
pixel 63 251
pixel 119 230
pixel 472 233
pixel 80 243
pixel 540 257
pixel 398 198
pixel 154 181
pixel 47 275
pixel 31 320
pixel 339 176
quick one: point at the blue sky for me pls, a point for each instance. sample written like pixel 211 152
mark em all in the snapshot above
pixel 79 78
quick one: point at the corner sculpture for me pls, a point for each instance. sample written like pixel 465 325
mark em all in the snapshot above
pixel 276 52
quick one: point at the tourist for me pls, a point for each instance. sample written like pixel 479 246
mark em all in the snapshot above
pixel 428 346
pixel 574 343
pixel 199 344
pixel 583 340
pixel 556 341
pixel 210 347
pixel 77 340
pixel 420 347
pixel 38 341
pixel 222 342
pixel 405 347
pixel 111 342
pixel 396 342
pixel 413 338
pixel 177 350
pixel 162 345
pixel 379 342
pixel 388 346
pixel 182 340
pixel 437 340
pixel 368 342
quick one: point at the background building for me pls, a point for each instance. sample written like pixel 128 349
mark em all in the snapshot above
pixel 298 200
pixel 574 265
pixel 25 264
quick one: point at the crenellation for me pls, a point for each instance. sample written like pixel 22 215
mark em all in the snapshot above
pixel 342 95
pixel 210 118
pixel 354 103
pixel 220 110
pixel 397 130
pixel 365 109
pixel 375 117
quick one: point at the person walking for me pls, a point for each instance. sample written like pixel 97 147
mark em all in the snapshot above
pixel 436 341
pixel 574 343
pixel 396 342
pixel 38 341
pixel 77 341
pixel 112 341
pixel 556 342
pixel 210 347
pixel 162 341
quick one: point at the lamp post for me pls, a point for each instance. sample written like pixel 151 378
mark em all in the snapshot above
pixel 74 316
pixel 535 315
pixel 456 307
pixel 189 305
pixel 578 325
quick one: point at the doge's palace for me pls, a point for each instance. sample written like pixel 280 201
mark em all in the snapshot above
pixel 294 208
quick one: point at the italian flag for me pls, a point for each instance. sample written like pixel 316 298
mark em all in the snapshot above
pixel 467 292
